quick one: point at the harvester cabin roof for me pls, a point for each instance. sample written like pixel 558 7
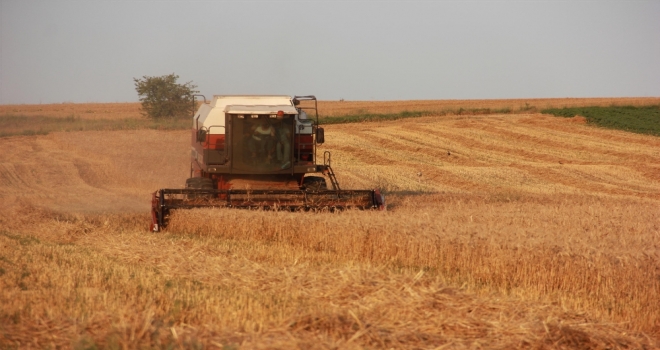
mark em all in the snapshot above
pixel 250 100
pixel 243 109
pixel 212 115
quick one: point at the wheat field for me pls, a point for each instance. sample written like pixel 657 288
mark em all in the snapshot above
pixel 502 231
pixel 124 110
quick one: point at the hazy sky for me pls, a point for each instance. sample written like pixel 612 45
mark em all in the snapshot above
pixel 90 51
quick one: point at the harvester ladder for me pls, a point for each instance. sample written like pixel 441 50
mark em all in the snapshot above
pixel 331 173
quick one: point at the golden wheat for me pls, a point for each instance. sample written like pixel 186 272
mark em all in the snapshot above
pixel 258 281
pixel 502 232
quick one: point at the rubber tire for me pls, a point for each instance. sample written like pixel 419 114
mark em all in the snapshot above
pixel 202 183
pixel 314 183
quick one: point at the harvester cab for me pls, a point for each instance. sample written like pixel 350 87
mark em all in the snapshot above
pixel 259 152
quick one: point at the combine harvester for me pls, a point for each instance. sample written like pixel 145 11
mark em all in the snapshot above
pixel 258 152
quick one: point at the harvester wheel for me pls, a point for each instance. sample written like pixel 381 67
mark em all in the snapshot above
pixel 314 183
pixel 202 183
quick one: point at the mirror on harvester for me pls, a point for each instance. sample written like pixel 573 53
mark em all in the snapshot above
pixel 201 135
pixel 320 136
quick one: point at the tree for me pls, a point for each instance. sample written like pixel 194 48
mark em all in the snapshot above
pixel 163 97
